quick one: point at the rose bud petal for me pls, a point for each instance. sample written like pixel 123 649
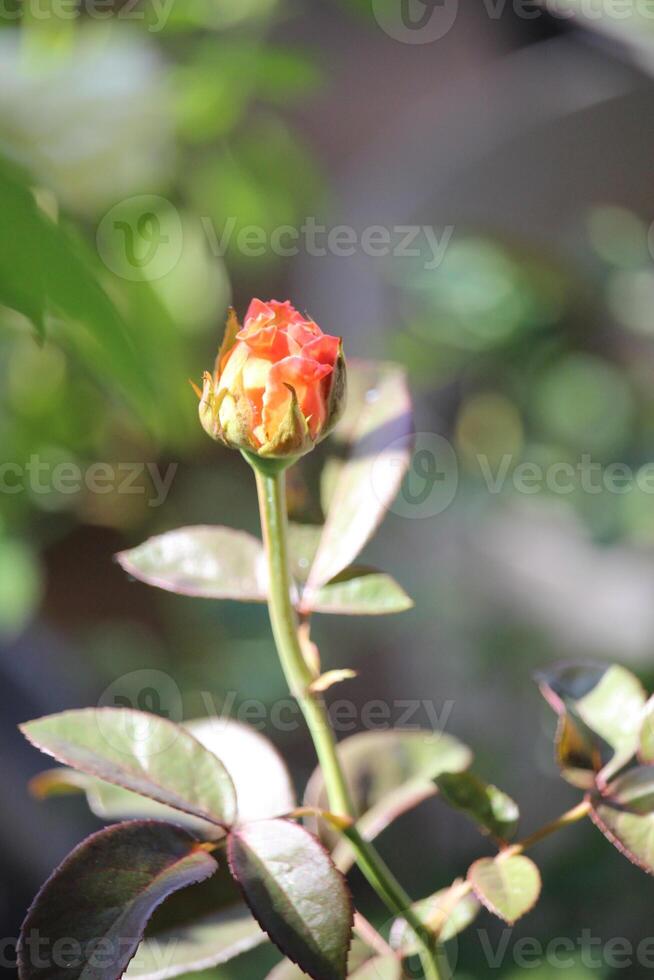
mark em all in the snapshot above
pixel 278 385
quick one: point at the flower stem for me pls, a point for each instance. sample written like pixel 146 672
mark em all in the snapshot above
pixel 284 626
pixel 272 506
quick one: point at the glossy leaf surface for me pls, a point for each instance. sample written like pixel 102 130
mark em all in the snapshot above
pixel 601 707
pixel 89 917
pixel 375 430
pixel 260 777
pixel 303 541
pixel 389 772
pixel 142 753
pixel 487 805
pixel 508 886
pixel 360 591
pixel 625 815
pixel 295 893
pixel 205 561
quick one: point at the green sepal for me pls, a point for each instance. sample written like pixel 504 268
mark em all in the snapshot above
pixel 337 394
pixel 232 327
pixel 209 409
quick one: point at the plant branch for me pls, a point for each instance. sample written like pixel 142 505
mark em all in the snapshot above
pixel 462 888
pixel 299 677
pixel 565 820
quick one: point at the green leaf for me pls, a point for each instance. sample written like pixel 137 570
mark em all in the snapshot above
pixel 295 893
pixel 376 763
pixel 261 780
pixel 88 918
pixel 43 270
pixel 198 945
pixel 142 753
pixel 303 541
pixel 220 563
pixel 211 562
pixel 388 773
pixel 602 706
pixel 110 802
pixel 508 886
pixel 375 428
pixel 446 914
pixel 487 805
pixel 360 591
pixel 625 815
pixel 209 924
pixel 22 279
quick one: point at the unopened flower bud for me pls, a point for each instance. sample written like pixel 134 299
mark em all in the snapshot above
pixel 278 386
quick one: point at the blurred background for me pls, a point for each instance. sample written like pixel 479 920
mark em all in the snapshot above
pixel 465 188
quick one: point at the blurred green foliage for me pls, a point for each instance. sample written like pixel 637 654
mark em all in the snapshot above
pixel 94 354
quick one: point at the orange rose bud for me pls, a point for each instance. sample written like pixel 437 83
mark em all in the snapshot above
pixel 278 386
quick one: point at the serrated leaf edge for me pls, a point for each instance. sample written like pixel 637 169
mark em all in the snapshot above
pixel 489 905
pixel 234 833
pixel 89 771
pixel 107 832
